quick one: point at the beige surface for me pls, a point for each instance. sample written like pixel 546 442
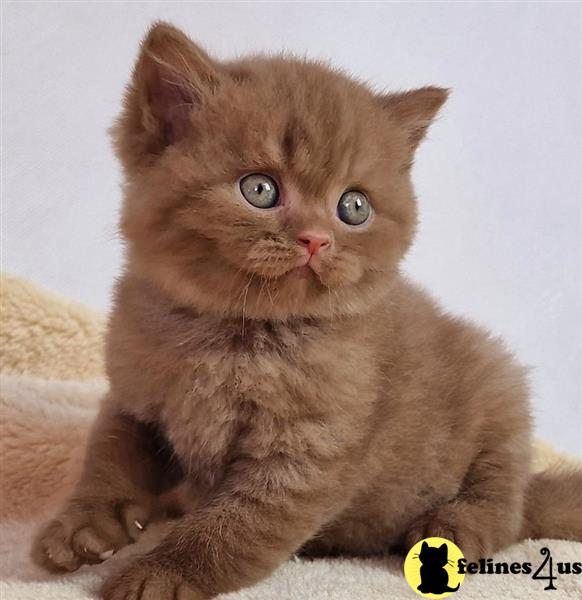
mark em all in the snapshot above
pixel 51 355
pixel 44 335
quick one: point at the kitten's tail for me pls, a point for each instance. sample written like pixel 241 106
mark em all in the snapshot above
pixel 553 505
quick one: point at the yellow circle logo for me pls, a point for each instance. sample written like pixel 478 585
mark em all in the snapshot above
pixel 431 568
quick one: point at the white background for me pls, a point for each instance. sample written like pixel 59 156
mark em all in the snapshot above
pixel 499 178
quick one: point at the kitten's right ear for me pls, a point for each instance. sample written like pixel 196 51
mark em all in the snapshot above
pixel 172 76
pixel 414 111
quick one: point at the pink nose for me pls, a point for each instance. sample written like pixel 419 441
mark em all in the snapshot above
pixel 314 242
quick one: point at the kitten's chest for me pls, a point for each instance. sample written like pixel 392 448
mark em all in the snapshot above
pixel 218 398
pixel 218 393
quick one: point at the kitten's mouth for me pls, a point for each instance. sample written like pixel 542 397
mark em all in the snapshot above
pixel 305 266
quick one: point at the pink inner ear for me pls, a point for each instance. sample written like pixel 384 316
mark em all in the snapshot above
pixel 172 103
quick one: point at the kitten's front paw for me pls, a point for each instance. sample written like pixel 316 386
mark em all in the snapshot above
pixel 460 523
pixel 146 579
pixel 89 531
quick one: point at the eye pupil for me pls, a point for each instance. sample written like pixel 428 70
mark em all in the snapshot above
pixel 259 190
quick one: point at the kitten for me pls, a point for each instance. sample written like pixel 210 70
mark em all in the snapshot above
pixel 266 356
pixel 433 575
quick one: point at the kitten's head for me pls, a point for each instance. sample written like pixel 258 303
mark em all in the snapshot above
pixel 269 186
pixel 433 555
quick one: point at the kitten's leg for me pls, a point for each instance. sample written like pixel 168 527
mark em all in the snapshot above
pixel 255 522
pixel 487 513
pixel 113 501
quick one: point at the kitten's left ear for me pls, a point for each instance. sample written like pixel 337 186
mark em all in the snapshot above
pixel 171 78
pixel 414 110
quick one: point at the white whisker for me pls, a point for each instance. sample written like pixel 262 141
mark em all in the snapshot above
pixel 246 292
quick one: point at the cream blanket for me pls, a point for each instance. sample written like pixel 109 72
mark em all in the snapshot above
pixel 51 382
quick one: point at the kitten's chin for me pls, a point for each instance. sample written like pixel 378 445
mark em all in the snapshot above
pixel 302 272
pixel 299 270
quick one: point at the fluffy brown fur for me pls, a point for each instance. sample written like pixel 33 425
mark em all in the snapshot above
pixel 331 409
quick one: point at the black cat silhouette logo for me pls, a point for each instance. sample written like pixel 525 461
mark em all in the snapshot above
pixel 431 568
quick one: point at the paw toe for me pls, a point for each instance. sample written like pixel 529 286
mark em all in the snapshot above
pixel 88 544
pixel 52 550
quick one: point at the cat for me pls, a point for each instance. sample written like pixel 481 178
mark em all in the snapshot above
pixel 433 575
pixel 271 370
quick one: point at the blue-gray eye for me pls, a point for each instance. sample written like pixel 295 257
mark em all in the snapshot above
pixel 260 190
pixel 353 208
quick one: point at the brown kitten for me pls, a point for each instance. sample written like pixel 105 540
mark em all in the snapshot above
pixel 266 356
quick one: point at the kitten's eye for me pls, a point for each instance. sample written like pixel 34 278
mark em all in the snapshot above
pixel 259 190
pixel 353 208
